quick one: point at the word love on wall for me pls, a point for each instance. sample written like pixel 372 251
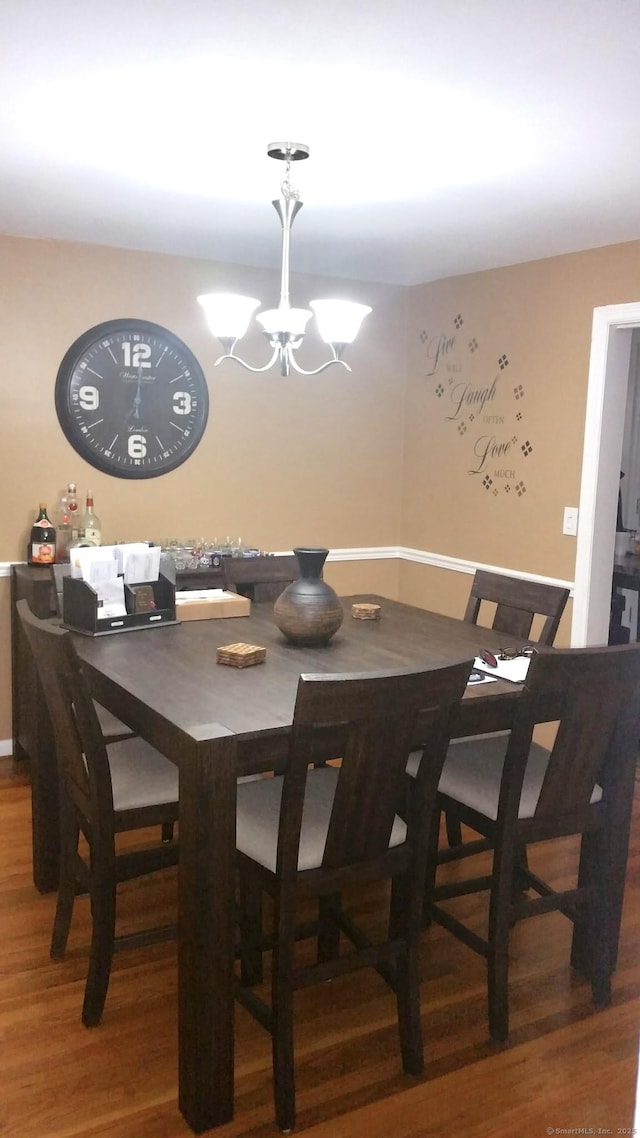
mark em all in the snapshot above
pixel 483 406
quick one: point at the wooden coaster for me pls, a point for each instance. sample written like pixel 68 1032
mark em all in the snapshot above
pixel 241 655
pixel 364 611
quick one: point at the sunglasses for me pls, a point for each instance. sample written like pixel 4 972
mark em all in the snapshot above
pixel 528 650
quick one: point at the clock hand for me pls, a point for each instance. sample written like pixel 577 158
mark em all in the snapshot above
pixel 135 410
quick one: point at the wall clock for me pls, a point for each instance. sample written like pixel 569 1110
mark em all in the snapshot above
pixel 131 399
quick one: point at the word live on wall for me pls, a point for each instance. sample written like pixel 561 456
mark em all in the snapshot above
pixel 483 406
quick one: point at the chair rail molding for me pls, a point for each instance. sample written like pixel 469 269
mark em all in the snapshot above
pixel 439 561
pixel 403 553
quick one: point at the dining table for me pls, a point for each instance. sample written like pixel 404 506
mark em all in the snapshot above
pixel 217 723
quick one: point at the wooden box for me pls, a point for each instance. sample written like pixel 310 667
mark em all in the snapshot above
pixel 217 606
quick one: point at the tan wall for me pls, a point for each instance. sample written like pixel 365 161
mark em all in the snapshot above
pixel 283 461
pixel 539 316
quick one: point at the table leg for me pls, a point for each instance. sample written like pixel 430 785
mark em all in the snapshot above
pixel 614 868
pixel 206 933
pixel 618 854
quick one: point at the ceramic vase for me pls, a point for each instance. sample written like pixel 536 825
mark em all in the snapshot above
pixel 309 611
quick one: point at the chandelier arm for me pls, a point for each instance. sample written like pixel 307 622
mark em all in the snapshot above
pixel 237 359
pixel 284 327
pixel 317 370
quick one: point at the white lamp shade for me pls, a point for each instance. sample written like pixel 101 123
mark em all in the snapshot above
pixel 228 314
pixel 339 320
pixel 290 320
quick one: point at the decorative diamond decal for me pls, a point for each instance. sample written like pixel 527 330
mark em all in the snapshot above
pixel 458 321
pixel 503 363
pixel 439 390
pixel 519 416
pixel 514 439
pixel 487 482
pixel 462 428
pixel 495 491
pixel 526 448
pixel 424 336
pixel 520 489
pixel 473 345
pixel 507 488
pixel 519 391
pixel 471 417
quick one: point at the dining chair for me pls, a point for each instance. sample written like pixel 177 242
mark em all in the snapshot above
pixel 312 832
pixel 112 728
pixel 261 578
pixel 516 793
pixel 105 789
pixel 517 602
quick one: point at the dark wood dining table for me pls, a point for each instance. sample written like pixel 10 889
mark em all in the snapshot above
pixel 217 723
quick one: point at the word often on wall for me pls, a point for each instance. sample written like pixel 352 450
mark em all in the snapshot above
pixel 483 406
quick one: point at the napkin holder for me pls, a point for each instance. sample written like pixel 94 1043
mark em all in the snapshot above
pixel 80 611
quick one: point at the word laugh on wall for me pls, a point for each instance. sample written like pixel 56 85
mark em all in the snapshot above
pixel 484 406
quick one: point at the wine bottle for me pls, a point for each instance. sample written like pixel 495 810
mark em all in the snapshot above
pixel 89 526
pixel 42 542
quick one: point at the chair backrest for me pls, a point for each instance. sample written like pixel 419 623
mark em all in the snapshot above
pixel 377 715
pixel 593 694
pixel 82 758
pixel 261 578
pixel 517 602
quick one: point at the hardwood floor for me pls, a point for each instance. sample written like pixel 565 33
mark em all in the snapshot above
pixel 564 1066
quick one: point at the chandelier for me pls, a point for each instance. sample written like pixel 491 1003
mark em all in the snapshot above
pixel 228 314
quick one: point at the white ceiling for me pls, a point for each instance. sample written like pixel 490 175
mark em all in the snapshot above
pixel 446 136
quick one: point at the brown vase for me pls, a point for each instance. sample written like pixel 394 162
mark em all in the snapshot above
pixel 309 611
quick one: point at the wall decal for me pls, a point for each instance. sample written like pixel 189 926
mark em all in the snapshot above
pixel 483 409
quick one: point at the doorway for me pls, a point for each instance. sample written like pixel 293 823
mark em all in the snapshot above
pixel 630 462
pixel 609 366
pixel 626 595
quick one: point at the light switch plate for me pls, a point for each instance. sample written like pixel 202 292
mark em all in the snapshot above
pixel 570 523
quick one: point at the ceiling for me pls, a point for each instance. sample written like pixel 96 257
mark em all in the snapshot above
pixel 446 136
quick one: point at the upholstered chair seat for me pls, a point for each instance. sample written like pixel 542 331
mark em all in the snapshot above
pixel 258 819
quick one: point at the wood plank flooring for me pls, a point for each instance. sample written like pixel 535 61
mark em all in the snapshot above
pixel 564 1066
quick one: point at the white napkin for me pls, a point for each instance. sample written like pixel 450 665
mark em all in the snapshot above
pixel 514 670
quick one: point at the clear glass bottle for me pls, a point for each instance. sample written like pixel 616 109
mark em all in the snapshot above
pixel 73 510
pixel 64 537
pixel 89 526
pixel 42 540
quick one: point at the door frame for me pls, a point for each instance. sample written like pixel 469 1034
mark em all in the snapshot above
pixel 609 363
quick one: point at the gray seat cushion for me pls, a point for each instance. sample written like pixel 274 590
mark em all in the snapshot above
pixel 258 816
pixel 140 775
pixel 109 725
pixel 473 770
pixel 413 761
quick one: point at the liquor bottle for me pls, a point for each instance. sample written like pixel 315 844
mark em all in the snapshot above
pixel 64 537
pixel 73 510
pixel 89 526
pixel 42 543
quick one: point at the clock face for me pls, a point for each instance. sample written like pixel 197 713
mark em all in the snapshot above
pixel 132 399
